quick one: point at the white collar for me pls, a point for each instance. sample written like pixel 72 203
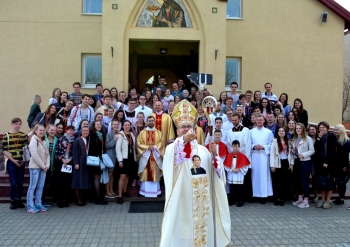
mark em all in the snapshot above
pixel 158 113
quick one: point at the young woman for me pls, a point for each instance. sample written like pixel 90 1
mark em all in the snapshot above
pixel 47 117
pixel 167 97
pixel 325 163
pixel 59 130
pixel 303 148
pixel 133 94
pixel 39 164
pixel 96 146
pixel 197 97
pixel 252 121
pixel 63 157
pixel 281 120
pixel 118 115
pixel 257 97
pixel 62 101
pixel 114 95
pixel 136 129
pixel 276 110
pixel 291 130
pixel 83 123
pixel 149 95
pixel 301 112
pixel 283 101
pixel 281 163
pixel 51 143
pixel 177 99
pixel 34 110
pixel 193 102
pixel 222 97
pixel 155 98
pixel 55 97
pixel 93 102
pixel 342 161
pixel 203 121
pixel 291 116
pixel 265 107
pixel 126 155
pixel 111 140
pixel 80 178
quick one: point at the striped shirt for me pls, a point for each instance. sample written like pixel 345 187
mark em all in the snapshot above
pixel 14 143
pixel 76 98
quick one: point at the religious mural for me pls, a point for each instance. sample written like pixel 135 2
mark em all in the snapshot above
pixel 164 13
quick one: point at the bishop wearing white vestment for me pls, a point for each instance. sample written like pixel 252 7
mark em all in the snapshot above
pixel 195 200
pixel 261 140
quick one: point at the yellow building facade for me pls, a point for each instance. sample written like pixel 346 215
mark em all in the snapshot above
pixel 47 44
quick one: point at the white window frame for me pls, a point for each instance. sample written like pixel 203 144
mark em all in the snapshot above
pixel 240 13
pixel 83 75
pixel 86 13
pixel 238 79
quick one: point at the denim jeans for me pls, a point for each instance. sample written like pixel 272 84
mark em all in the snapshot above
pixel 16 175
pixel 306 169
pixel 37 180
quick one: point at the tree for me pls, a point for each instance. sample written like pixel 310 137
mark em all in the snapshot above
pixel 346 91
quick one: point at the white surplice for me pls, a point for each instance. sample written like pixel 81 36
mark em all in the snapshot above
pixel 188 213
pixel 260 162
pixel 244 139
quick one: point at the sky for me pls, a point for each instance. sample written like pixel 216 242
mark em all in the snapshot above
pixel 344 3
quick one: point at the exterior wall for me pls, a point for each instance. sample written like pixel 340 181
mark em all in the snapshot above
pixel 280 41
pixel 347 52
pixel 285 43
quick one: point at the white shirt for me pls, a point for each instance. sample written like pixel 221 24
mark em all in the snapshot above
pixel 215 115
pixel 227 126
pixel 145 109
pixel 223 137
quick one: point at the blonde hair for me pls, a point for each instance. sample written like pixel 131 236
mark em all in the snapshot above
pixel 48 128
pixel 303 130
pixel 343 137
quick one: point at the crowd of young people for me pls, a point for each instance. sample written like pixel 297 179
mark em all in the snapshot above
pixel 282 150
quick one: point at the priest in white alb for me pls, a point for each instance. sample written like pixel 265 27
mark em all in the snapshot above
pixel 151 151
pixel 261 140
pixel 196 209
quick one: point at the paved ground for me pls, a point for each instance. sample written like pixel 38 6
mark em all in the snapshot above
pixel 111 225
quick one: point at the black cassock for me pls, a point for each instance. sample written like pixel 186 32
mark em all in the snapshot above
pixel 80 180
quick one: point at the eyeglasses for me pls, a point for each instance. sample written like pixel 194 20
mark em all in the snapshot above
pixel 186 127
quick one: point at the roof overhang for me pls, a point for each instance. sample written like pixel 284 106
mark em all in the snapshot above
pixel 340 11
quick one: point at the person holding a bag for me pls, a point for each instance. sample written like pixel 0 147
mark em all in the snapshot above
pixel 63 159
pixel 303 148
pixel 47 117
pixel 325 164
pixel 96 145
pixel 126 155
pixel 39 164
pixel 12 146
pixel 342 162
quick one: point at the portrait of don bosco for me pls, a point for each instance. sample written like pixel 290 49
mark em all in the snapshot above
pixel 170 15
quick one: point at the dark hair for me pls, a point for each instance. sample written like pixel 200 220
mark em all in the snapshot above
pixel 70 127
pixel 249 91
pixel 236 142
pixel 257 91
pixel 285 138
pixel 116 115
pixel 195 156
pixel 70 101
pixel 218 118
pixel 312 126
pixel 93 129
pixel 116 95
pixel 295 116
pixel 217 131
pixel 48 109
pixel 324 123
pixel 121 92
pixel 122 129
pixel 76 83
pixel 132 87
pixel 149 116
pixel 98 85
pixel 132 99
pixel 285 102
pixel 98 114
pixel 161 77
pixel 59 123
pixel 234 83
pixel 95 101
pixel 85 95
pixel 107 96
pixel 268 106
pixel 16 120
pixel 81 123
pixel 267 84
pixel 301 109
pixel 236 115
pixel 241 96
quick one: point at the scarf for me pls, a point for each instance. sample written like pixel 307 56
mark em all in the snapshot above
pixel 99 135
pixel 69 138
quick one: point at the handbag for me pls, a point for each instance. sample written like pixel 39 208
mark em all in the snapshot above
pixel 26 154
pixel 324 183
pixel 92 160
pixel 107 161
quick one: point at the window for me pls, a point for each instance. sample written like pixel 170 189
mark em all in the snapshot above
pixel 92 6
pixel 234 9
pixel 92 70
pixel 233 72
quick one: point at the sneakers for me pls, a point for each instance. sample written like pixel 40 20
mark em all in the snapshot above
pixel 349 208
pixel 338 201
pixel 320 204
pixel 41 208
pixel 46 204
pixel 304 204
pixel 315 200
pixel 326 205
pixel 296 203
pixel 33 210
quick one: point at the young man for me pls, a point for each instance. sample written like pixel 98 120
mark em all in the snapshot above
pixel 64 113
pixel 123 100
pixel 236 167
pixel 271 123
pixel 218 113
pixel 99 89
pixel 261 140
pixel 248 98
pixel 13 144
pixel 171 106
pixel 228 124
pixel 234 95
pixel 181 84
pixel 218 124
pixel 268 94
pixel 76 96
pixel 192 91
pixel 143 108
pixel 81 112
pixel 176 90
pixel 151 151
pixel 228 105
pixel 107 103
pixel 130 113
pixel 162 84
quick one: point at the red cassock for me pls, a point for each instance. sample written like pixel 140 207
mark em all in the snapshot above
pixel 241 160
pixel 222 152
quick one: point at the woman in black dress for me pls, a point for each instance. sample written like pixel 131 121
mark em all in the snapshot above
pixel 96 148
pixel 80 180
pixel 126 156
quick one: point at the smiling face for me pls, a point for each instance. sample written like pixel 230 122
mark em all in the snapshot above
pixel 52 131
pixel 281 132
